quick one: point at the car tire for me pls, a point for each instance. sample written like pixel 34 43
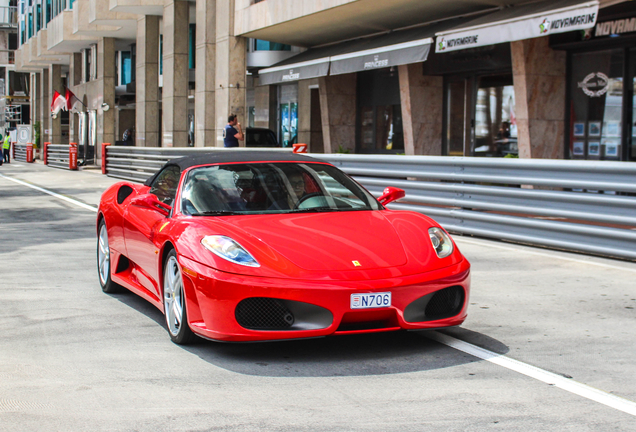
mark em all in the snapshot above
pixel 174 302
pixel 103 261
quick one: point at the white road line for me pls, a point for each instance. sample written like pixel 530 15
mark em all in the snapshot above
pixel 493 243
pixel 56 195
pixel 550 378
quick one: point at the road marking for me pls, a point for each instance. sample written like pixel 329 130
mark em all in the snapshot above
pixel 550 378
pixel 56 195
pixel 493 243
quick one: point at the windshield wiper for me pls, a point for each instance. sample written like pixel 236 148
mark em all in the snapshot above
pixel 315 210
pixel 216 213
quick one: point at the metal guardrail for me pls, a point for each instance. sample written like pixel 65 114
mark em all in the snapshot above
pixel 57 155
pixel 139 163
pixel 584 206
pixel 20 152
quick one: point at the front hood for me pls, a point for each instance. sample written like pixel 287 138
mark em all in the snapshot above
pixel 337 241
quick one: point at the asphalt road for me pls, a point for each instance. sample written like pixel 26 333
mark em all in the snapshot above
pixel 75 359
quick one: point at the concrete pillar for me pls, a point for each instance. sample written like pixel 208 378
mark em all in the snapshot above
pixel 539 81
pixel 422 100
pixel 147 82
pixel 175 74
pixel 74 76
pixel 230 67
pixel 265 100
pixel 106 73
pixel 204 102
pixel 45 105
pixel 55 84
pixel 338 112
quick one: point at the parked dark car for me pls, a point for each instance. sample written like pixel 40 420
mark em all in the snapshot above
pixel 260 137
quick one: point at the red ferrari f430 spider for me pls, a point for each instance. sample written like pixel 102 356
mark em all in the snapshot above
pixel 254 246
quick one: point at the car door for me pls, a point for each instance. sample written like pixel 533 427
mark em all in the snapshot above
pixel 140 225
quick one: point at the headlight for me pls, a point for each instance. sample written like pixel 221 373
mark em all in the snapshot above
pixel 441 242
pixel 228 249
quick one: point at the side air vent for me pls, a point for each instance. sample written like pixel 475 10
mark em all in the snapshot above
pixel 123 193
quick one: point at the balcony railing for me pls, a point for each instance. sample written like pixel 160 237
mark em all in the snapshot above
pixel 8 17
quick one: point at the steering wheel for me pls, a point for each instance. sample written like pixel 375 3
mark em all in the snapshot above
pixel 306 197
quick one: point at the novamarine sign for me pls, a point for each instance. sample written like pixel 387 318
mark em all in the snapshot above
pixel 376 63
pixel 626 25
pixel 450 43
pixel 291 76
pixel 564 23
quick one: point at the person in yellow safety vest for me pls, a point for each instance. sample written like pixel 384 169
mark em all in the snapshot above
pixel 6 147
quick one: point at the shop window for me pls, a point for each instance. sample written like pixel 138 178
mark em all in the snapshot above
pixel 596 108
pixel 263 45
pixel 379 120
pixel 288 111
pixel 495 121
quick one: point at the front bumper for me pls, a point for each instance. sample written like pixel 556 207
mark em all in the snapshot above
pixel 213 297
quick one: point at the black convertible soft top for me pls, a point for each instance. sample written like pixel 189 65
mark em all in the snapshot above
pixel 219 157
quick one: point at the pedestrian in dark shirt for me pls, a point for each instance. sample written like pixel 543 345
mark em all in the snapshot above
pixel 233 133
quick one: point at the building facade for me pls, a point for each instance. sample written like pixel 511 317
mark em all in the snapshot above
pixel 546 79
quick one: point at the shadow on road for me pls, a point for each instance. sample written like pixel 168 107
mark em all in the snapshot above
pixel 334 356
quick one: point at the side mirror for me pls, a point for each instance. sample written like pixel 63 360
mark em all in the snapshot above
pixel 391 194
pixel 151 201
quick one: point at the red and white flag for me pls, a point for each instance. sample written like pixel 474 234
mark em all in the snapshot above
pixel 70 99
pixel 59 102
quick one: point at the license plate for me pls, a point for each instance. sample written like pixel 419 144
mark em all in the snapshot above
pixel 370 300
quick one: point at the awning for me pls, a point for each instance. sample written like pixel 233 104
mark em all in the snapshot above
pixel 520 22
pixel 387 54
pixel 391 49
pixel 294 71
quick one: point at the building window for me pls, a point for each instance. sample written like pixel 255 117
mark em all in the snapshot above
pixel 48 11
pixel 379 119
pixel 126 68
pixel 263 45
pixel 192 34
pixel 161 54
pixel 596 109
pixel 495 121
pixel 38 19
pixel 30 25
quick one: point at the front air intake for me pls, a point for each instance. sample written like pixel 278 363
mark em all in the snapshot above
pixel 445 303
pixel 261 313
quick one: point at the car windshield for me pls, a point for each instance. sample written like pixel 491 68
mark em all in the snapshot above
pixel 264 188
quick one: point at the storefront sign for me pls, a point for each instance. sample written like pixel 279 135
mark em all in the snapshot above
pixel 489 30
pixel 620 26
pixel 595 84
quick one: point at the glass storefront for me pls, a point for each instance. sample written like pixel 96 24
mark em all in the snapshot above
pixel 596 109
pixel 288 111
pixel 600 114
pixel 495 122
pixel 379 120
pixel 480 116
